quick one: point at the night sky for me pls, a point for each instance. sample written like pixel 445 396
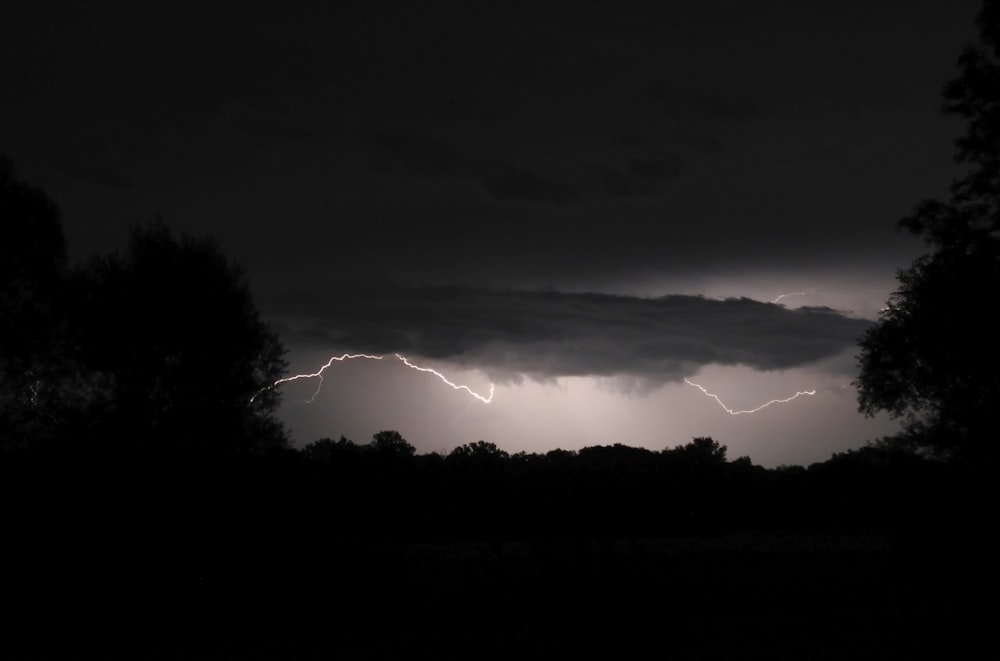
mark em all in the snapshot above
pixel 584 204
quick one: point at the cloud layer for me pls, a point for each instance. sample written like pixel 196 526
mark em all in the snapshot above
pixel 549 334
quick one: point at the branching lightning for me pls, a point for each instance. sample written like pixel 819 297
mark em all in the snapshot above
pixel 488 398
pixel 484 399
pixel 794 293
pixel 318 374
pixel 821 291
pixel 762 406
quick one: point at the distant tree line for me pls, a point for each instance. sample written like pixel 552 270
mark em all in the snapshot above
pixel 479 491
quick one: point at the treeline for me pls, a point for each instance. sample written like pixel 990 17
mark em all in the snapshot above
pixel 384 490
pixel 479 491
pixel 344 546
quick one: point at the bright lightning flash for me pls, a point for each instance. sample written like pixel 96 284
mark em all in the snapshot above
pixel 762 406
pixel 486 399
pixel 794 293
pixel 823 292
pixel 318 374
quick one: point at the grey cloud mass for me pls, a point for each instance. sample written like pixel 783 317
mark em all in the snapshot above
pixel 527 145
pixel 492 160
pixel 547 334
pixel 701 107
pixel 408 153
pixel 518 184
pixel 98 172
pixel 269 127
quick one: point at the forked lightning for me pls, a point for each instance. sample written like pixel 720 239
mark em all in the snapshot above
pixel 762 406
pixel 318 374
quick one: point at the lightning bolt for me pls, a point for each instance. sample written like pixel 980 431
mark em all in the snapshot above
pixel 318 374
pixel 793 293
pixel 819 290
pixel 762 406
pixel 485 400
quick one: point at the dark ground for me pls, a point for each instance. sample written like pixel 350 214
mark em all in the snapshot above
pixel 99 568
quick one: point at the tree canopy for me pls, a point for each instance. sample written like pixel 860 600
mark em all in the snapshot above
pixel 933 358
pixel 173 322
pixel 156 346
pixel 33 264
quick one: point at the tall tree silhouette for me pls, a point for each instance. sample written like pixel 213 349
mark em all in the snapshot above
pixel 171 322
pixel 933 358
pixel 33 266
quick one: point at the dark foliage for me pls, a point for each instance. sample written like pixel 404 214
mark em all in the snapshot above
pixel 933 358
pixel 158 348
pixel 187 360
pixel 481 493
pixel 33 266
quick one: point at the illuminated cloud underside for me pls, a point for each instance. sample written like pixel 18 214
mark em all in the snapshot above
pixel 543 335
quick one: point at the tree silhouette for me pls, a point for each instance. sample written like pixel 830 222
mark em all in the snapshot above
pixel 33 264
pixel 390 443
pixel 933 358
pixel 328 451
pixel 701 452
pixel 188 360
pixel 160 345
pixel 478 455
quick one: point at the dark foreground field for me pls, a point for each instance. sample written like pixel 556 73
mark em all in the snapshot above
pixel 101 569
pixel 771 595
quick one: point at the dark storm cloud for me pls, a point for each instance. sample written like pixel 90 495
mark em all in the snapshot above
pixel 411 153
pixel 545 334
pixel 614 183
pixel 641 176
pixel 698 143
pixel 97 172
pixel 503 145
pixel 449 105
pixel 653 168
pixel 522 185
pixel 414 153
pixel 270 126
pixel 701 107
